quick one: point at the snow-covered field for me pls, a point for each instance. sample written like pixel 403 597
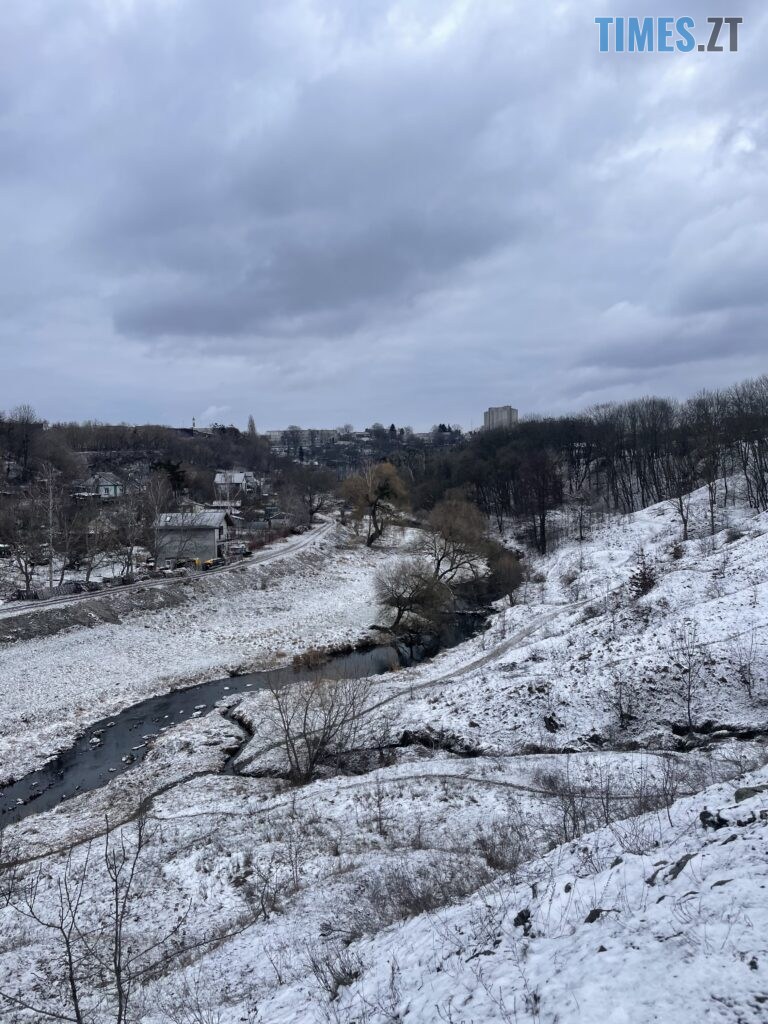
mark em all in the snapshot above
pixel 523 856
pixel 255 617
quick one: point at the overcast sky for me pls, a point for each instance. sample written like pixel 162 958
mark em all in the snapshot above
pixel 321 211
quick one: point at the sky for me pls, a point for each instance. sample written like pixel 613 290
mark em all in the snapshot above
pixel 331 211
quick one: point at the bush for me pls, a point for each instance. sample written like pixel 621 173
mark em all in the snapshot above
pixel 590 612
pixel 506 573
pixel 407 888
pixel 505 843
pixel 333 968
pixel 410 589
pixel 643 579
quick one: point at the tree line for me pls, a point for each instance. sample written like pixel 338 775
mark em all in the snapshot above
pixel 618 456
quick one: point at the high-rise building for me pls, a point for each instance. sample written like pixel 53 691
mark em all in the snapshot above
pixel 499 416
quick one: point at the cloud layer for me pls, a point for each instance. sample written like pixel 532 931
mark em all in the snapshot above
pixel 330 210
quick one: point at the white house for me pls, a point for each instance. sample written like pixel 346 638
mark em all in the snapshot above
pixel 106 485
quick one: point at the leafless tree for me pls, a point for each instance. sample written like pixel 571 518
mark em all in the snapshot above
pixel 376 495
pixel 308 489
pixel 623 696
pixel 454 540
pixel 688 655
pixel 94 970
pixel 679 476
pixel 23 531
pixel 315 720
pixel 409 588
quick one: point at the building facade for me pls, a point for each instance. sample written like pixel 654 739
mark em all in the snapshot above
pixel 499 417
pixel 192 536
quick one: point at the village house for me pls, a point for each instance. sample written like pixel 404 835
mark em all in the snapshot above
pixel 233 483
pixel 192 536
pixel 103 485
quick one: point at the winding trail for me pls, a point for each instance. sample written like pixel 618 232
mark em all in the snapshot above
pixel 446 678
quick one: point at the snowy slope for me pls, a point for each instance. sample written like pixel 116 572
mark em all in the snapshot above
pixel 589 933
pixel 561 873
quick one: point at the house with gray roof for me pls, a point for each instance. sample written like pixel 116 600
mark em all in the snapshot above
pixel 105 485
pixel 192 536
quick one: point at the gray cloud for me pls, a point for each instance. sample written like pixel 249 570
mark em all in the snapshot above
pixel 403 209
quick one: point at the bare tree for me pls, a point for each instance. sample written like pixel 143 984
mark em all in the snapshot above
pixel 94 971
pixel 688 655
pixel 453 540
pixel 623 696
pixel 376 494
pixel 316 719
pixel 309 488
pixel 23 532
pixel 190 1001
pixel 679 475
pixel 410 588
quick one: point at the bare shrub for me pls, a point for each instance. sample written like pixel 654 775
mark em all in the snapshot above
pixel 746 659
pixel 316 720
pixel 264 883
pixel 592 611
pixel 505 842
pixel 637 835
pixel 617 801
pixel 190 1001
pixel 333 967
pixel 569 577
pixel 678 778
pixel 505 573
pixel 10 870
pixel 406 888
pixel 573 811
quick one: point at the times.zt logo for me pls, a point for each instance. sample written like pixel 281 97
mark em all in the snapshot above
pixel 667 35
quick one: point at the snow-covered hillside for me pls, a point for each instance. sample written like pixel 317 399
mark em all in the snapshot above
pixel 654 921
pixel 512 842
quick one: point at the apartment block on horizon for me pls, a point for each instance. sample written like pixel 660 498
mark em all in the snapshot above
pixel 499 417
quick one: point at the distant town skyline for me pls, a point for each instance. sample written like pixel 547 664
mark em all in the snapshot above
pixel 322 211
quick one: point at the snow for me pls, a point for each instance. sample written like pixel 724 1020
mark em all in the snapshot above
pixel 590 932
pixel 256 617
pixel 575 879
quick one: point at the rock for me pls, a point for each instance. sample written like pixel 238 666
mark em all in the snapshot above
pixel 523 920
pixel 747 792
pixel 710 820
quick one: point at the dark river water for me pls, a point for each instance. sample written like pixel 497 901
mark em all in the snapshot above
pixel 114 745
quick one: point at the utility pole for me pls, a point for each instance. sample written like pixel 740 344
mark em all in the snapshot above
pixel 49 479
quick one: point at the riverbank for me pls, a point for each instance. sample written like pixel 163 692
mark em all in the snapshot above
pixel 53 688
